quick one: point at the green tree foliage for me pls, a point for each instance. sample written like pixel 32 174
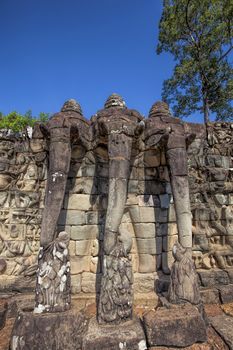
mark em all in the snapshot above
pixel 18 122
pixel 199 35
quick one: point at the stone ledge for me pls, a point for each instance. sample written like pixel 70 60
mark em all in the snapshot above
pixel 63 330
pixel 126 336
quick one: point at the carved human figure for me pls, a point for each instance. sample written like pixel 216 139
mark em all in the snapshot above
pixel 184 282
pixel 168 133
pixel 61 131
pixel 120 127
pixel 215 240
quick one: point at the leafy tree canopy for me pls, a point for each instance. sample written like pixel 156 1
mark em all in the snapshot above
pixel 18 122
pixel 199 34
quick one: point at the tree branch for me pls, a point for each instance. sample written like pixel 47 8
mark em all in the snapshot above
pixel 225 54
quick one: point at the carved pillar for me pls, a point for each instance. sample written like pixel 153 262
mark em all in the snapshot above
pixel 120 125
pixel 53 275
pixel 184 283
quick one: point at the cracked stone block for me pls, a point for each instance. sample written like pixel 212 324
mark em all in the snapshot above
pixel 179 326
pixel 210 278
pixel 209 296
pixel 223 325
pixel 226 293
pixel 64 330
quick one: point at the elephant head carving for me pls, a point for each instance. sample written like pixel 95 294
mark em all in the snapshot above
pixel 119 127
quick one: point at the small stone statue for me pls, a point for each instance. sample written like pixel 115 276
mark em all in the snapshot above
pixel 53 276
pixel 184 283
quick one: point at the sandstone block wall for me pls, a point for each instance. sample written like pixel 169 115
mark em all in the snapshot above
pixel 149 212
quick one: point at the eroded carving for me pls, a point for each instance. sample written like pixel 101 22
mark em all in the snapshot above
pixel 184 282
pixel 122 127
pixel 53 276
pixel 165 132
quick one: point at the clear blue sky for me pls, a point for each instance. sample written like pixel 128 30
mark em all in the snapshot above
pixel 53 50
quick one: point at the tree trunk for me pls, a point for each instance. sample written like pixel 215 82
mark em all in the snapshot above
pixel 206 110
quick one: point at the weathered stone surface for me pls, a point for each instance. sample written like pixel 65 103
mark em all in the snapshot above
pixel 53 276
pixel 3 266
pixel 226 293
pixel 192 347
pixel 151 246
pixel 164 201
pixel 145 230
pixel 161 229
pixel 90 282
pixel 210 296
pixel 146 214
pixel 72 217
pixel 58 331
pixel 148 201
pixel 223 326
pixel 228 309
pixel 76 283
pixel 79 201
pixel 126 336
pixel 168 242
pixel 144 282
pixel 147 263
pixel 213 277
pixel 79 264
pixel 167 260
pixel 151 204
pixel 177 327
pixel 171 213
pixel 87 232
pixel 3 311
pixel 83 247
pixel 184 285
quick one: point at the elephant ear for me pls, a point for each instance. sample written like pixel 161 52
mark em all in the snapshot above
pixel 139 128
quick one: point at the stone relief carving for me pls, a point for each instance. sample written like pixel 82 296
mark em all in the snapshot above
pixel 184 282
pixel 212 239
pixel 211 187
pixel 53 276
pixel 23 174
pixel 167 132
pixel 122 127
pixel 62 130
pixel 19 192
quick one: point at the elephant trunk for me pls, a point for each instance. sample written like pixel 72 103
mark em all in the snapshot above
pixel 59 163
pixel 177 160
pixel 119 170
